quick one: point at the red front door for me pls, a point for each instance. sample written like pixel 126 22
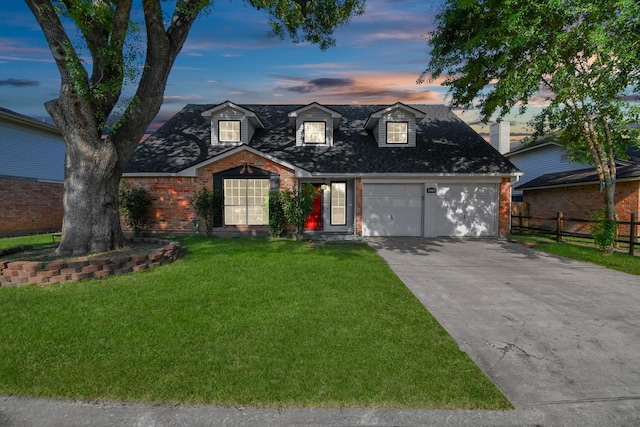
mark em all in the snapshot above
pixel 314 221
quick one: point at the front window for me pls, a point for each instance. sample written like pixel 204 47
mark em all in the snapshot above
pixel 314 132
pixel 397 132
pixel 246 201
pixel 229 131
pixel 338 203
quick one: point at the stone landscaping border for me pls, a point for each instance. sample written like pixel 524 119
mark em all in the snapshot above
pixel 23 273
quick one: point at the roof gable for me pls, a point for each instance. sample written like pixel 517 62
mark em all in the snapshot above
pixel 253 118
pixel 376 116
pixel 335 116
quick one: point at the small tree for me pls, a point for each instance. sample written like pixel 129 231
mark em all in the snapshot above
pixel 134 206
pixel 208 206
pixel 297 206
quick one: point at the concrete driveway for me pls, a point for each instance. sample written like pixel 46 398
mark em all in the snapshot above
pixel 555 335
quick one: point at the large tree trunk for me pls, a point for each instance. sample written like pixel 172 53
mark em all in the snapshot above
pixel 91 221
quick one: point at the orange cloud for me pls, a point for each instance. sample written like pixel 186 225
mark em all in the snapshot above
pixel 359 87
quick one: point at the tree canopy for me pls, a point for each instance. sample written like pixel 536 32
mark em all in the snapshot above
pixel 579 59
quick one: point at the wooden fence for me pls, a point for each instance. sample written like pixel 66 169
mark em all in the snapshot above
pixel 574 227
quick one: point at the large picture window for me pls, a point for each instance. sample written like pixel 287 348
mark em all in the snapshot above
pixel 338 203
pixel 397 132
pixel 314 132
pixel 246 201
pixel 229 131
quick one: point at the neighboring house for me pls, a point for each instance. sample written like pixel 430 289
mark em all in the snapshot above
pixel 553 183
pixel 578 194
pixel 539 158
pixel 393 170
pixel 31 175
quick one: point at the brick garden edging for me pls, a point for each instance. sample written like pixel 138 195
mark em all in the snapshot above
pixel 23 273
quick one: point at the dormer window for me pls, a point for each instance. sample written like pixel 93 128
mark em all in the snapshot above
pixel 314 124
pixel 229 130
pixel 397 132
pixel 314 132
pixel 232 124
pixel 395 125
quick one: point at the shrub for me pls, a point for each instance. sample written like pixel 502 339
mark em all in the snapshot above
pixel 277 218
pixel 208 206
pixel 297 206
pixel 603 231
pixel 134 206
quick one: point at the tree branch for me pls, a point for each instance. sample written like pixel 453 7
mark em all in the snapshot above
pixel 61 48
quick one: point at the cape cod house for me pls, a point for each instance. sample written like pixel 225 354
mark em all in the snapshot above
pixel 382 170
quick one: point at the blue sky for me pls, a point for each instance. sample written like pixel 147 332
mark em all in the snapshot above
pixel 229 56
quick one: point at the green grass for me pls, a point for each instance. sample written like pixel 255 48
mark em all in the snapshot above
pixel 240 322
pixel 34 240
pixel 582 250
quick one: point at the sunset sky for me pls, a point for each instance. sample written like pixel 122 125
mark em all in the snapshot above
pixel 230 56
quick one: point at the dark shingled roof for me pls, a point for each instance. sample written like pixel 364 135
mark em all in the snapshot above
pixel 581 176
pixel 445 144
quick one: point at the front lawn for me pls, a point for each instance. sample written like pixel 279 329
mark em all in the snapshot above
pixel 34 240
pixel 581 250
pixel 240 322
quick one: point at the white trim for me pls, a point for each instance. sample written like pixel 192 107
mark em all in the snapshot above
pixel 573 184
pixel 29 121
pixel 519 150
pixel 441 179
pixel 405 176
pixel 26 178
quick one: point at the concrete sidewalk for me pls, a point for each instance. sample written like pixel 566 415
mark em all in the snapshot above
pixel 560 338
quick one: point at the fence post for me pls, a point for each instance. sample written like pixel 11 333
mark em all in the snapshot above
pixel 520 222
pixel 632 233
pixel 559 220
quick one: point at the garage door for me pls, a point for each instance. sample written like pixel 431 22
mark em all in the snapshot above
pixel 464 210
pixel 392 209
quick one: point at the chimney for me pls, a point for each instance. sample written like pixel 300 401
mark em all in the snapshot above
pixel 500 137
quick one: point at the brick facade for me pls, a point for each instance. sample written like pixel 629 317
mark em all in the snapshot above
pixel 29 206
pixel 504 208
pixel 170 209
pixel 358 226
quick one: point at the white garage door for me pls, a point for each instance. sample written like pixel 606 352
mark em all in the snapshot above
pixel 465 210
pixel 392 209
pixel 452 210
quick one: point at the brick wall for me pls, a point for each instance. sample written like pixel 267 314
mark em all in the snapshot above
pixel 29 206
pixel 581 201
pixel 170 209
pixel 22 273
